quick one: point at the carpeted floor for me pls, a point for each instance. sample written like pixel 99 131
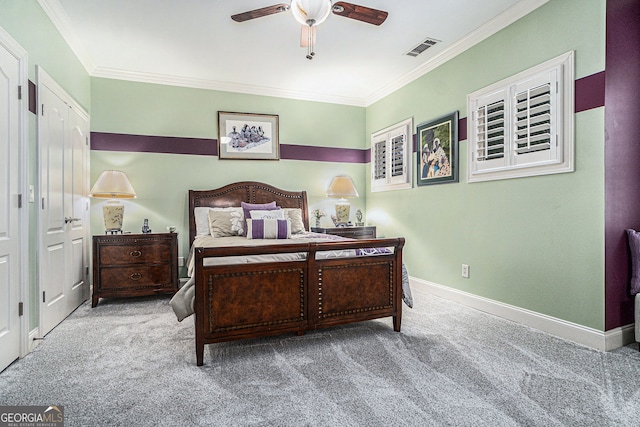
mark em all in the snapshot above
pixel 128 362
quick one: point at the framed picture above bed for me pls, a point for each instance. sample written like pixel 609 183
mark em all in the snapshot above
pixel 248 136
pixel 438 150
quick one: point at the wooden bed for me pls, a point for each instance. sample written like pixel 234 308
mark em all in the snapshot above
pixel 258 299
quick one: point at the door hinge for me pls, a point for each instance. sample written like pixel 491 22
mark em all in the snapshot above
pixel 87 140
pixel 19 200
pixel 20 309
pixel 20 92
pixel 87 269
pixel 44 298
pixel 43 203
pixel 42 108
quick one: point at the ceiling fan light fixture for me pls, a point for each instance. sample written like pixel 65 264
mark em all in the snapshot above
pixel 310 12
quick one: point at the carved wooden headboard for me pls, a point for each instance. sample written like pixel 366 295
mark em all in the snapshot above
pixel 249 192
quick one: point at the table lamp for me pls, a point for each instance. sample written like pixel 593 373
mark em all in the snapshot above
pixel 342 187
pixel 113 185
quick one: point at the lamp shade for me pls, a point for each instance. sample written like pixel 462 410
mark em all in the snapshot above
pixel 112 184
pixel 310 12
pixel 342 187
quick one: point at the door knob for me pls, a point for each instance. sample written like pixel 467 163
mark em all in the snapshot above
pixel 69 219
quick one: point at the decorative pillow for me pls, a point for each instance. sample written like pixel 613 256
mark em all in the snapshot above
pixel 248 207
pixel 268 229
pixel 224 222
pixel 295 215
pixel 634 245
pixel 274 214
pixel 202 221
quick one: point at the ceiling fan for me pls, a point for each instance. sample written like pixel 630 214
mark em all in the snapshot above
pixel 311 13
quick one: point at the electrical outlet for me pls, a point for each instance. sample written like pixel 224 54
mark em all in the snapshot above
pixel 465 271
pixel 180 261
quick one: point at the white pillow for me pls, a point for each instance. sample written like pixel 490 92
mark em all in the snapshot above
pixel 272 214
pixel 201 215
pixel 295 215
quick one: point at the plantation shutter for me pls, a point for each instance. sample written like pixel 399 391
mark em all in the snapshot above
pixel 391 156
pixel 523 125
pixel 379 161
pixel 534 106
pixel 397 156
pixel 490 131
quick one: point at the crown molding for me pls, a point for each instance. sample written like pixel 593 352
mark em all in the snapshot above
pixel 58 16
pixel 483 32
pixel 164 79
pixel 61 21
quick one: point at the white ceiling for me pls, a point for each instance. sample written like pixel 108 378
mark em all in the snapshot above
pixel 195 43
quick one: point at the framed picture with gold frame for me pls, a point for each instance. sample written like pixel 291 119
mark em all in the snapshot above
pixel 248 136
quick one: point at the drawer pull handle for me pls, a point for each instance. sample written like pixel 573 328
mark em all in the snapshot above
pixel 136 276
pixel 135 254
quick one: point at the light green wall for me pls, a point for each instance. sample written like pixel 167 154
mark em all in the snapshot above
pixel 26 22
pixel 162 181
pixel 29 25
pixel 536 243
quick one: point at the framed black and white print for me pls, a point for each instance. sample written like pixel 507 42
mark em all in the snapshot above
pixel 437 146
pixel 248 136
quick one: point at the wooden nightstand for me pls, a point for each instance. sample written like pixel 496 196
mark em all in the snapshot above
pixel 366 232
pixel 129 265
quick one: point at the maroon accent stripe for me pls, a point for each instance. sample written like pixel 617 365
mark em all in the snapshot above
pixel 33 102
pixel 462 129
pixel 102 141
pixel 323 154
pixel 589 92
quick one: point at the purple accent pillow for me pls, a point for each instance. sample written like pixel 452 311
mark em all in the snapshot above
pixel 268 229
pixel 634 245
pixel 248 207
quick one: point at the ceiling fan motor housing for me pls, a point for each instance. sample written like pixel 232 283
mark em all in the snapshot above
pixel 310 12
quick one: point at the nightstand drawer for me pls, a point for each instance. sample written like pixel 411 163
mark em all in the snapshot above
pixel 135 253
pixel 134 277
pixel 357 232
pixel 134 265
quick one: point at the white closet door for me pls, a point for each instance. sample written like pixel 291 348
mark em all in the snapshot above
pixel 9 209
pixel 63 252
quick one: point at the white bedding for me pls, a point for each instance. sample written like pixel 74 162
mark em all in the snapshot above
pixel 182 302
pixel 238 241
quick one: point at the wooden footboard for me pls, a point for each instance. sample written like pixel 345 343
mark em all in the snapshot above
pixel 258 299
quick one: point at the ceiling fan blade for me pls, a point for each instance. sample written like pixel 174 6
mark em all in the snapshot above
pixel 259 13
pixel 360 13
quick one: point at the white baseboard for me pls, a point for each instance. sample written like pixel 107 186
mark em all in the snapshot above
pixel 593 338
pixel 34 339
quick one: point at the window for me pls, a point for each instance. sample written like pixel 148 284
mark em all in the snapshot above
pixel 391 149
pixel 523 125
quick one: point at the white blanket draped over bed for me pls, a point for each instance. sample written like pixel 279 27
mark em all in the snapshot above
pixel 182 302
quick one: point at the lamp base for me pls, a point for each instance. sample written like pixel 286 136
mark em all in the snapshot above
pixel 342 212
pixel 113 212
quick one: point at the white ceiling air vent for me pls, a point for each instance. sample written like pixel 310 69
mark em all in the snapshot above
pixel 422 47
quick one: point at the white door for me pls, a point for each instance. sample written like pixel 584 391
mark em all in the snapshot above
pixel 9 210
pixel 63 252
pixel 77 208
